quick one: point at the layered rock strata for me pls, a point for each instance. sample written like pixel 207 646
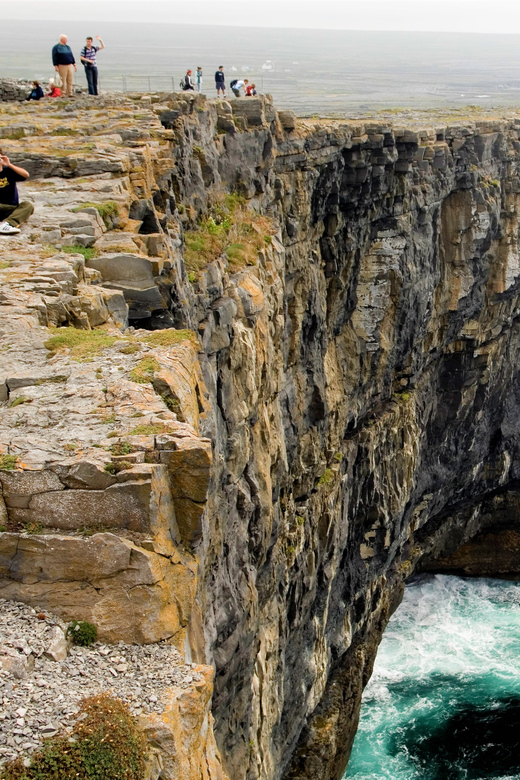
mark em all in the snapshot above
pixel 357 381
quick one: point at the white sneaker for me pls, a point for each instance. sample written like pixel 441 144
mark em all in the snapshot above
pixel 6 229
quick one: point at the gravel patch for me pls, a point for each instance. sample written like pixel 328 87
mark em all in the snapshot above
pixel 40 696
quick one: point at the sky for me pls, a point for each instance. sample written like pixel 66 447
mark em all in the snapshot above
pixel 470 16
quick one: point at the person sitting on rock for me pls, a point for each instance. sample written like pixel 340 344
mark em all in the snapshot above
pixel 36 91
pixel 188 83
pixel 237 85
pixel 251 90
pixel 12 211
pixel 54 91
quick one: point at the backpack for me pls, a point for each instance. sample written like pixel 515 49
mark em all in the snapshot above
pixel 232 83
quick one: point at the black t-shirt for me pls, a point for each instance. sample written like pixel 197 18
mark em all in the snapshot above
pixel 219 77
pixel 8 189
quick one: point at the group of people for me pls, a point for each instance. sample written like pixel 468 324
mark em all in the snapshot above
pixel 65 63
pixel 65 66
pixel 236 85
pixel 37 92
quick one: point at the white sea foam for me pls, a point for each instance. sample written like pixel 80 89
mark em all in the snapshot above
pixel 452 643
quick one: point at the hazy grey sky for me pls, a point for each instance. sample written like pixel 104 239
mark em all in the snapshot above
pixel 480 16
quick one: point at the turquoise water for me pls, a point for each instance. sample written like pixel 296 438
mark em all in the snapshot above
pixel 444 700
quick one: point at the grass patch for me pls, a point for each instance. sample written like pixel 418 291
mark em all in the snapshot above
pixel 105 744
pixel 81 344
pixel 106 210
pixel 326 478
pixel 8 462
pixel 232 231
pixel 4 264
pixel 147 430
pixel 121 448
pixel 88 252
pixel 16 134
pixel 19 400
pixel 169 337
pixel 53 379
pixel 115 468
pixel 33 528
pixel 144 371
pixel 129 349
pixel 64 131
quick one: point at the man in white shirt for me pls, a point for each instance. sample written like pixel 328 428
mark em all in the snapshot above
pixel 237 86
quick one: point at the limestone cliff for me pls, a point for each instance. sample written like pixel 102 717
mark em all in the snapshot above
pixel 356 379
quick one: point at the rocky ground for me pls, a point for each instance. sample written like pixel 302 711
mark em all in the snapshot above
pixel 42 677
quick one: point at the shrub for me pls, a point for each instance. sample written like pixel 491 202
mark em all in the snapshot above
pixel 106 745
pixel 82 633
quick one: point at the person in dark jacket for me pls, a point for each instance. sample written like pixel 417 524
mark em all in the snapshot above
pixel 220 81
pixel 64 64
pixel 12 211
pixel 188 83
pixel 36 92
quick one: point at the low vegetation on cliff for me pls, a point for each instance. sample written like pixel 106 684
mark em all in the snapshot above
pixel 232 231
pixel 105 744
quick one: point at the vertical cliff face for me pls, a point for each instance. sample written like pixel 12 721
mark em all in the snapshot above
pixel 346 413
pixel 363 386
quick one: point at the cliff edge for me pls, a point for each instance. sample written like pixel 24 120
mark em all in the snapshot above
pixel 257 371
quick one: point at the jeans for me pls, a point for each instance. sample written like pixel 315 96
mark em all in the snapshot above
pixel 92 79
pixel 16 215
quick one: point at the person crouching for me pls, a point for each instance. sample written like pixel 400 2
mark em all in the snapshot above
pixel 12 211
pixel 54 91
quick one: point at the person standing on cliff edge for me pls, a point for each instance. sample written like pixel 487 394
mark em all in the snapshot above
pixel 12 211
pixel 64 64
pixel 220 81
pixel 88 58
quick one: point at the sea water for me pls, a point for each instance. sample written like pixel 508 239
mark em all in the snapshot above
pixel 443 702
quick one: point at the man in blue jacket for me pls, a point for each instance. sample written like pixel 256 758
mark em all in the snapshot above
pixel 220 81
pixel 64 64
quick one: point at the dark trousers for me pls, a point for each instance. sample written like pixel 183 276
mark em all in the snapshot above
pixel 92 79
pixel 16 215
